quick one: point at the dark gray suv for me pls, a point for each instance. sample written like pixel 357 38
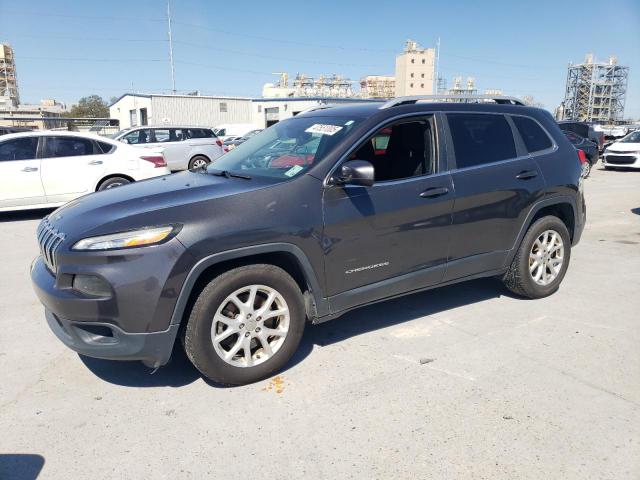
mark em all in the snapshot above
pixel 319 214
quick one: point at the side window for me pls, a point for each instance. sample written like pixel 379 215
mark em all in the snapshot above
pixel 480 138
pixel 401 150
pixel 533 136
pixel 18 149
pixel 161 135
pixel 67 147
pixel 197 133
pixel 137 137
pixel 105 147
pixel 222 132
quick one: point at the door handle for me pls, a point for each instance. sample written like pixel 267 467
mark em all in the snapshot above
pixel 30 169
pixel 95 162
pixel 527 174
pixel 434 192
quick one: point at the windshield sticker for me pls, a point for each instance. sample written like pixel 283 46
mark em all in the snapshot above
pixel 323 129
pixel 348 123
pixel 293 170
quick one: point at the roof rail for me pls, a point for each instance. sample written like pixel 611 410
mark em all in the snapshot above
pixel 452 98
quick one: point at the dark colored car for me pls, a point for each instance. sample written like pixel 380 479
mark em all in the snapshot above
pixel 589 148
pixel 585 130
pixel 7 130
pixel 319 214
pixel 232 143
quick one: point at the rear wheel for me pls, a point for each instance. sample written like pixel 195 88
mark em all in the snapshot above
pixel 112 183
pixel 586 169
pixel 198 161
pixel 245 325
pixel 542 259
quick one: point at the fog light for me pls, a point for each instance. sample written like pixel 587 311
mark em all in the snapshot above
pixel 91 285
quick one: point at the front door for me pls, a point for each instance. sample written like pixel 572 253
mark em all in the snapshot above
pixel 393 236
pixel 20 183
pixel 496 185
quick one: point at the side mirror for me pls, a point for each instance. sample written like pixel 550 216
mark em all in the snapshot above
pixel 355 172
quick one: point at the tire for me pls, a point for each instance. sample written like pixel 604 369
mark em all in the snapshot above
pixel 520 275
pixel 112 183
pixel 198 161
pixel 586 169
pixel 213 304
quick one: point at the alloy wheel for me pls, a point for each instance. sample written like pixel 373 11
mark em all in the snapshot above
pixel 250 326
pixel 546 257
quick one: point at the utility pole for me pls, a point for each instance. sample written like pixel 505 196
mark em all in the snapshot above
pixel 435 80
pixel 173 73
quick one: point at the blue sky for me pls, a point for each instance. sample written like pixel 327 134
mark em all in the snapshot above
pixel 69 49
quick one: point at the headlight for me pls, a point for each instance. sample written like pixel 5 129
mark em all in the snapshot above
pixel 130 239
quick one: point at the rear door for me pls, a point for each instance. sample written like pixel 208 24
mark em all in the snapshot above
pixel 395 230
pixel 176 148
pixel 496 184
pixel 20 183
pixel 71 166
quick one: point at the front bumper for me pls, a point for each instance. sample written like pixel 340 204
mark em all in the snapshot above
pixel 102 340
pixel 626 159
pixel 134 322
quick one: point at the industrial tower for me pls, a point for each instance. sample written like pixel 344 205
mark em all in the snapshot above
pixel 8 79
pixel 595 91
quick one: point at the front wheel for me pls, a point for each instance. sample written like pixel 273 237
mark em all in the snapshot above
pixel 245 324
pixel 542 259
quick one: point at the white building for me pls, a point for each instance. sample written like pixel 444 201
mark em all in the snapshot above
pixel 133 109
pixel 415 70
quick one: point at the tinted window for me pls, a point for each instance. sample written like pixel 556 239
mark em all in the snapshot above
pixel 199 133
pixel 534 137
pixel 574 138
pixel 401 150
pixel 137 137
pixel 480 138
pixel 162 135
pixel 19 149
pixel 579 128
pixel 67 147
pixel 105 147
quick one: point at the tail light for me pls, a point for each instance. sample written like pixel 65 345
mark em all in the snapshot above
pixel 582 157
pixel 601 139
pixel 219 142
pixel 157 160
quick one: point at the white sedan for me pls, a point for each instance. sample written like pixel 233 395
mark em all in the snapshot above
pixel 623 153
pixel 43 169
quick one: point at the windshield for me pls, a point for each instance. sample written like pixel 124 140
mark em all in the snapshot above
pixel 286 149
pixel 119 132
pixel 633 137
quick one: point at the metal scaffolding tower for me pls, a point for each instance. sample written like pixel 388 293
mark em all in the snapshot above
pixel 595 91
pixel 8 78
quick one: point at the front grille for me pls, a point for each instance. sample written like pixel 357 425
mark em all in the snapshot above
pixel 49 240
pixel 620 159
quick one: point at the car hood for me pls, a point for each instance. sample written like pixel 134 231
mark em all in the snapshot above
pixel 113 210
pixel 624 147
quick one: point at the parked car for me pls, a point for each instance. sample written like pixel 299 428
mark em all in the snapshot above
pixel 589 148
pixel 185 147
pixel 233 130
pixel 7 130
pixel 623 153
pixel 233 142
pixel 307 220
pixel 585 130
pixel 42 169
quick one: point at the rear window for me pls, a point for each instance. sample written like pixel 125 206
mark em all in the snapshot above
pixel 479 139
pixel 534 137
pixel 579 128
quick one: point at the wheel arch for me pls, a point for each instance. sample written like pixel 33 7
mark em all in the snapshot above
pixel 286 256
pixel 112 175
pixel 563 207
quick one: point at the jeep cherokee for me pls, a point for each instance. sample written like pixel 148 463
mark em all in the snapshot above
pixel 322 213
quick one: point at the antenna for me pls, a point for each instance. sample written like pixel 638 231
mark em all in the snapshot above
pixel 173 73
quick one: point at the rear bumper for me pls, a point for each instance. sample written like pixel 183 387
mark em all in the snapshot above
pixel 103 340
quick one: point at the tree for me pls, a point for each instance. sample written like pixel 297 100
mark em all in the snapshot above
pixel 92 106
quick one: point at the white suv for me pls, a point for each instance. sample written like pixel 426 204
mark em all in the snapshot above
pixel 185 147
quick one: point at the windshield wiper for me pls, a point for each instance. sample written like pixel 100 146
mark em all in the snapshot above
pixel 227 174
